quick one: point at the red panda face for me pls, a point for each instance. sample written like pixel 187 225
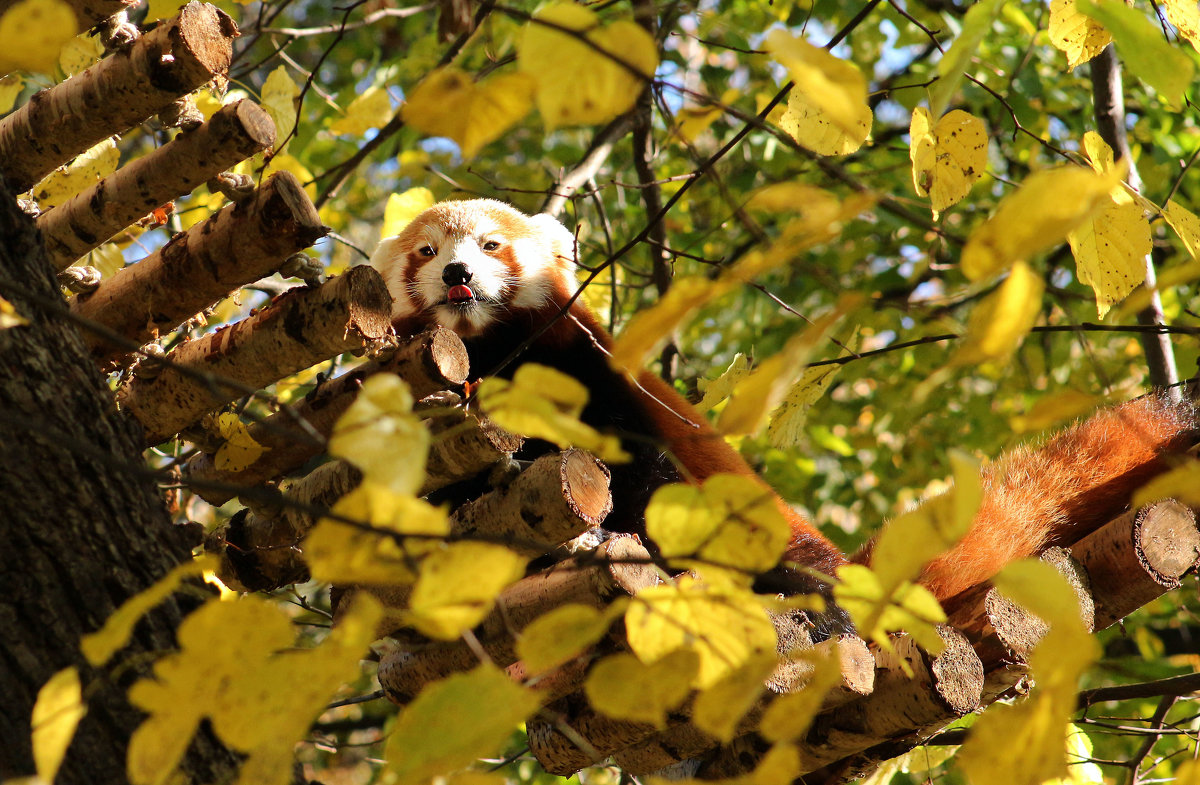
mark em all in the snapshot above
pixel 468 265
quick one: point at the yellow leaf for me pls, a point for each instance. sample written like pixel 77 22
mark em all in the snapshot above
pixel 999 324
pixel 691 121
pixel 107 258
pixel 719 708
pixel 780 764
pixel 791 196
pixel 9 316
pixel 1053 409
pixel 454 721
pixel 66 181
pixel 239 449
pixel 976 24
pixel 622 687
pixel 1186 225
pixel 56 714
pixel 10 89
pixel 1038 725
pixel 1188 773
pixel 104 642
pixel 560 635
pixel 1144 49
pixel 402 208
pixel 32 32
pixel 650 327
pixel 827 109
pixel 764 389
pixel 725 626
pixel 876 612
pixel 719 389
pixel 1110 252
pixel 949 157
pixel 449 103
pixel 789 716
pixel 80 52
pixel 370 109
pixel 283 162
pixel 395 531
pixel 578 83
pixel 279 97
pixel 381 436
pixel 1185 17
pixel 1181 483
pixel 268 696
pixel 1077 35
pixel 458 585
pixel 729 521
pixel 787 421
pixel 1036 217
pixel 546 404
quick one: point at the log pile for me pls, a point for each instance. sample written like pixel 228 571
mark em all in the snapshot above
pixel 550 509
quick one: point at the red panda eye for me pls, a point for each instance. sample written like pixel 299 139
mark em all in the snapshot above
pixel 428 250
pixel 491 245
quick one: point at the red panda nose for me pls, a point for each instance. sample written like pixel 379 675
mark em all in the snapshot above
pixel 455 274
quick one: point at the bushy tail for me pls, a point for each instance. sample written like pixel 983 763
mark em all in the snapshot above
pixel 1034 497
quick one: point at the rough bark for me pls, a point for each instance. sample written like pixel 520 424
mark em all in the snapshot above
pixel 91 217
pixel 238 245
pixel 83 530
pixel 296 331
pixel 115 94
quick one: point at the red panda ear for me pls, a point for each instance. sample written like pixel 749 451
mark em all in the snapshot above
pixel 561 238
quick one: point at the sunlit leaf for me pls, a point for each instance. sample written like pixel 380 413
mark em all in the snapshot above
pixel 730 521
pixel 719 708
pixel 279 97
pixel 1186 225
pixel 578 83
pixel 999 324
pixel 1143 48
pixel 1035 217
pixel 1077 35
pixel 268 694
pixel 976 24
pixel 1053 409
pixel 80 52
pixel 789 716
pixel 560 635
pixel 1181 482
pixel 102 644
pixel 449 103
pixel 32 32
pixel 948 157
pixel 545 403
pixel 691 121
pixel 87 167
pixel 10 88
pixel 458 585
pixel 877 611
pixel 788 419
pixel 9 316
pixel 622 687
pixel 1110 251
pixel 239 449
pixel 454 721
pixel 402 208
pixel 827 109
pixel 370 109
pixel 1185 17
pixel 382 436
pixel 56 714
pixel 719 389
pixel 726 627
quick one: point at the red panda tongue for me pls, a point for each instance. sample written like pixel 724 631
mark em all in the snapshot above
pixel 460 293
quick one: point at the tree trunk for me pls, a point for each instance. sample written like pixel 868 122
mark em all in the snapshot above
pixel 82 529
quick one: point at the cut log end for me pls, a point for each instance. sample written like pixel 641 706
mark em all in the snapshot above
pixel 448 356
pixel 204 33
pixel 585 486
pixel 957 673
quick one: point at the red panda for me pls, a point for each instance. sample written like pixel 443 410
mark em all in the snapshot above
pixel 500 278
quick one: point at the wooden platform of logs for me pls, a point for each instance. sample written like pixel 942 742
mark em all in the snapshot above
pixel 552 508
pixel 878 709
